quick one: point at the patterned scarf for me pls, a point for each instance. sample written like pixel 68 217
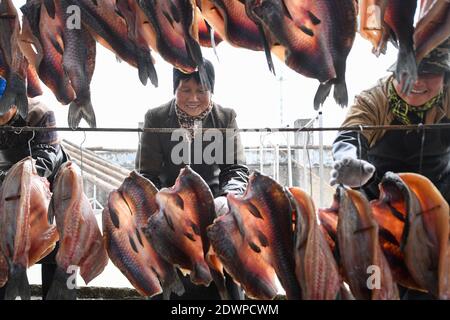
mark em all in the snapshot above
pixel 189 122
pixel 400 108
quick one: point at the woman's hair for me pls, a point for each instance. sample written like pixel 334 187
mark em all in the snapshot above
pixel 210 75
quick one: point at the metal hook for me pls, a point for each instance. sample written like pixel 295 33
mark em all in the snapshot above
pixel 422 143
pixel 29 143
pixel 81 153
pixel 19 131
pixel 360 153
pixel 139 151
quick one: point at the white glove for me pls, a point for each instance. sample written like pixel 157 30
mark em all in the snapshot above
pixel 351 172
pixel 221 205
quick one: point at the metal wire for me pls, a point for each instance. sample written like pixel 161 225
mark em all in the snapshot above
pixel 436 126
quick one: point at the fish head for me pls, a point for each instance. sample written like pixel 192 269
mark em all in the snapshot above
pixel 169 200
pixel 392 188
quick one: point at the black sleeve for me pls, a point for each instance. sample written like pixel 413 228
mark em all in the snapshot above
pixel 149 157
pixel 350 144
pixel 233 172
pixel 47 159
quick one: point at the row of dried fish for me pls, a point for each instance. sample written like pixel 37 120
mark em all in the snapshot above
pixel 354 249
pixel 28 234
pixel 57 42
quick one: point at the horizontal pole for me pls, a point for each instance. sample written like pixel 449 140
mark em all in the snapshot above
pixel 434 126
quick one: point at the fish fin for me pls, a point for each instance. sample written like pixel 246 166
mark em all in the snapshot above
pixel 340 93
pixel 321 95
pixel 406 71
pixel 51 211
pixel 32 12
pixel 78 111
pixel 254 247
pixel 307 31
pixel 169 220
pixel 263 241
pixel 219 281
pixel 50 7
pixel 190 236
pixel 59 289
pixel 266 48
pixel 132 244
pixel 200 274
pixel 253 210
pixel 17 285
pixel 114 217
pixel 172 283
pixel 174 12
pixel 146 68
pixel 139 237
pixel 313 18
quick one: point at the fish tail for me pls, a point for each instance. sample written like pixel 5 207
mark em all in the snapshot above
pixel 17 285
pixel 78 111
pixel 146 68
pixel 321 95
pixel 59 289
pixel 340 93
pixel 406 71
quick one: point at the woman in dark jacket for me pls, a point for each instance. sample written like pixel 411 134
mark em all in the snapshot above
pixel 162 155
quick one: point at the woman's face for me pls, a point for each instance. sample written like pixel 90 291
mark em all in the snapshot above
pixel 7 116
pixel 192 98
pixel 426 87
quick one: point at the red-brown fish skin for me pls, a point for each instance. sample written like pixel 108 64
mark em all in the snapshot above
pixel 390 213
pixel 15 239
pixel 139 195
pixel 138 33
pixel 246 266
pixel 426 245
pixel 399 15
pixel 78 44
pixel 298 50
pixel 229 19
pixel 48 41
pixel 175 25
pixel 372 26
pixel 328 218
pixel 360 250
pixel 264 218
pixel 432 29
pixel 15 92
pixel 126 248
pixel 178 230
pixel 204 33
pixel 81 242
pixel 336 30
pixel 111 31
pixel 42 234
pixel 316 269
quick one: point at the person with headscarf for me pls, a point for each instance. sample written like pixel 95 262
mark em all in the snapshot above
pixel 192 108
pixel 362 158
